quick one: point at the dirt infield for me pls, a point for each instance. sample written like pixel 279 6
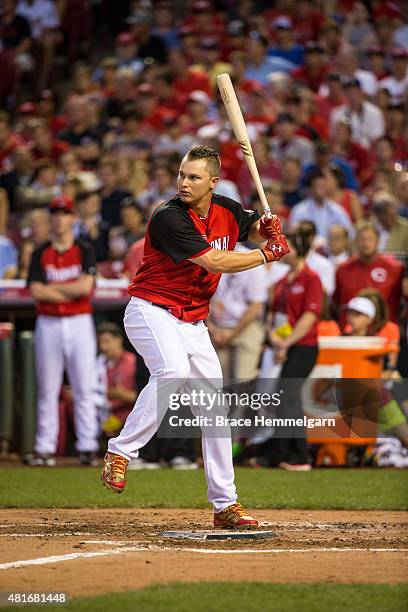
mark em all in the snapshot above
pixel 95 551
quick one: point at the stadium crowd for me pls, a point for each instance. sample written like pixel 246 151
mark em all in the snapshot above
pixel 103 118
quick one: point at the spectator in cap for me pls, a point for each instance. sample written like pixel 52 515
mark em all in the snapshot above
pixel 397 82
pixel 197 109
pixel 44 146
pixel 286 143
pixel 369 268
pixel 286 46
pixel 211 63
pixel 393 229
pixel 315 69
pixel 127 54
pixel 367 121
pixel 47 108
pixel 8 141
pixel 260 65
pixel 318 208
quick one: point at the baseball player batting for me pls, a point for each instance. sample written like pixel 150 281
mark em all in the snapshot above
pixel 189 243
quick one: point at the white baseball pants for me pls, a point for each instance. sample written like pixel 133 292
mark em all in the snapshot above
pixel 177 351
pixel 65 342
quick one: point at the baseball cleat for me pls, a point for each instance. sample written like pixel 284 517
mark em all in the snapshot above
pixel 114 472
pixel 234 517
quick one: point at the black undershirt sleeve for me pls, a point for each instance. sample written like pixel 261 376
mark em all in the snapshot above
pixel 172 232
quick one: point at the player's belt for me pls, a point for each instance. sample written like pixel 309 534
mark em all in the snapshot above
pixel 168 310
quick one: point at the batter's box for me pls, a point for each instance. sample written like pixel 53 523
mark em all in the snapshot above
pixel 218 535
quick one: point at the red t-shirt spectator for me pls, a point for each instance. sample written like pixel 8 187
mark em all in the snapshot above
pixel 303 294
pixel 133 259
pixel 383 273
pixel 122 373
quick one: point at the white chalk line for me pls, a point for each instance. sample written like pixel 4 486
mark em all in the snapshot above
pixel 46 535
pixel 130 549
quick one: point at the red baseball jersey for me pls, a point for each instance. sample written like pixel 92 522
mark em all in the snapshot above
pixel 303 294
pixel 384 273
pixel 51 266
pixel 174 235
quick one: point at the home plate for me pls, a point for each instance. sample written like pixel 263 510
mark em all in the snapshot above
pixel 218 535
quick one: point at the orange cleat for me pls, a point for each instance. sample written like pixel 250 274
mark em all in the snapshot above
pixel 114 472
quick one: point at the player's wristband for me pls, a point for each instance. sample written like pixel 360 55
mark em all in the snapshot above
pixel 263 255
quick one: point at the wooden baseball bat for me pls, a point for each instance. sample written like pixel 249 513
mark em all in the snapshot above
pixel 241 133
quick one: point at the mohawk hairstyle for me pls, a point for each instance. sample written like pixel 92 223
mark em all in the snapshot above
pixel 209 154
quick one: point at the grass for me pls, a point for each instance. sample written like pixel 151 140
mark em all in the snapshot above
pixel 365 489
pixel 248 596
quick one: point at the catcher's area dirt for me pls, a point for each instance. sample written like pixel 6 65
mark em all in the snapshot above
pixel 134 556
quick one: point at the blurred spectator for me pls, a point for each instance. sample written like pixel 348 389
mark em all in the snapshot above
pixel 44 146
pixel 337 191
pixel 393 229
pixel 174 138
pixel 397 82
pixel 357 30
pixel 311 125
pixel 384 154
pixel 106 75
pixel 8 141
pixel 15 42
pixel 401 190
pixel 164 25
pixel 315 69
pixel 323 267
pixel 376 63
pixel 76 25
pixel 319 208
pixel 347 65
pixel 162 185
pixel 79 133
pixel 8 258
pixel 369 268
pixel 149 45
pixel 235 322
pixel 35 231
pixel 331 95
pixel 286 46
pixel 367 121
pixel 285 143
pixel 4 210
pixel 359 158
pixel 42 188
pixel 198 103
pixel 339 244
pixel 274 196
pixel 118 369
pixel 112 195
pixel 211 63
pixel 267 167
pixel 20 175
pixel 132 174
pixel 290 175
pixel 186 79
pixel 132 229
pixel 89 225
pixel 47 109
pixel 82 82
pixel 71 167
pixel 260 65
pixel 127 54
pixel 44 21
pixel 133 259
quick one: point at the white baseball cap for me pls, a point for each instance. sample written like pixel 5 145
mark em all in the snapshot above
pixel 362 305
